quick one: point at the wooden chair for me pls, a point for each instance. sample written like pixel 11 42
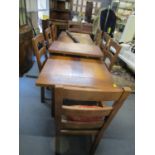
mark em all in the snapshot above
pixel 89 120
pixel 74 26
pixel 79 27
pixel 111 53
pixel 41 56
pixel 54 32
pixel 98 37
pixel 48 36
pixel 105 41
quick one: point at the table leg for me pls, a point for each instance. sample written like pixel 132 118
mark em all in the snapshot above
pixel 52 103
pixel 42 94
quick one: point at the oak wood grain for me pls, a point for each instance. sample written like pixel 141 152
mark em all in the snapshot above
pixel 71 71
pixel 76 49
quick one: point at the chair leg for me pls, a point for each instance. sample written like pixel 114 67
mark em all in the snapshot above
pixel 57 145
pixel 95 144
pixel 42 94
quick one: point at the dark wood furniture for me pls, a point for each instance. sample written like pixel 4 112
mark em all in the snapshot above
pixel 75 49
pixel 73 120
pixel 61 9
pixel 25 43
pixel 111 53
pixel 25 49
pixel 88 13
pixel 60 13
pixel 82 38
pixel 80 27
pixel 41 55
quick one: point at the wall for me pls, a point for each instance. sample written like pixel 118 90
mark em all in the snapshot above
pixel 105 3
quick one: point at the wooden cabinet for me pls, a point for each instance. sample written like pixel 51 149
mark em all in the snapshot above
pixel 88 13
pixel 25 49
pixel 60 13
pixel 61 9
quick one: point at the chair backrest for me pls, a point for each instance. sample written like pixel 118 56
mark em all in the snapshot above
pixel 106 40
pixel 98 37
pixel 54 32
pixel 40 50
pixel 74 26
pixel 111 53
pixel 79 27
pixel 90 119
pixel 48 36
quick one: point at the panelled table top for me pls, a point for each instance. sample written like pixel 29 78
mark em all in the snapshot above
pixel 72 71
pixel 76 49
pixel 82 38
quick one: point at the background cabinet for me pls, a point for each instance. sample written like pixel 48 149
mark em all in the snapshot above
pixel 25 40
pixel 61 9
pixel 25 49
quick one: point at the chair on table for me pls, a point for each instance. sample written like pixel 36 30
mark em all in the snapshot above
pixel 86 119
pixel 74 26
pixel 54 32
pixel 111 53
pixel 41 56
pixel 48 36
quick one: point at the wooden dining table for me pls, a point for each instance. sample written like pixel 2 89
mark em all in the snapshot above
pixel 84 48
pixel 75 71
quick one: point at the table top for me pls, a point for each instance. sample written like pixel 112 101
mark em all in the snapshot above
pixel 82 38
pixel 76 49
pixel 73 71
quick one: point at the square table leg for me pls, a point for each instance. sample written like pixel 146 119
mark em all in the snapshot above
pixel 52 103
pixel 42 94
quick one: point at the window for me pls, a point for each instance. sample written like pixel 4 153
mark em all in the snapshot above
pixel 22 13
pixel 80 6
pixel 43 8
pixel 42 5
pixel 37 10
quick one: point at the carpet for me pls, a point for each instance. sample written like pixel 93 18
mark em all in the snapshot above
pixel 123 77
pixel 37 128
